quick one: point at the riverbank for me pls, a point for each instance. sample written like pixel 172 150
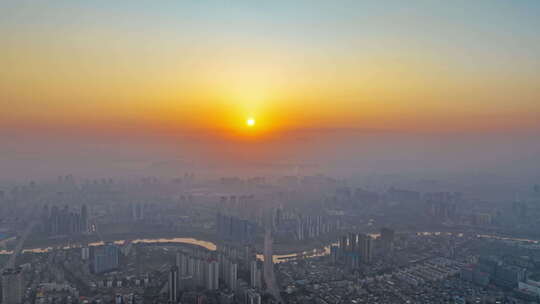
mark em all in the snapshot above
pixel 280 248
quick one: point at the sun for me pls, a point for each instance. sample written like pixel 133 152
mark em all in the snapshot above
pixel 250 122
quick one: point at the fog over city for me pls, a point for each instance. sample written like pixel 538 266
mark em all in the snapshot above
pixel 230 152
pixel 489 161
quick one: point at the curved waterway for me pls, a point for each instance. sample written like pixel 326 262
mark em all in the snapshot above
pixel 316 252
pixel 190 241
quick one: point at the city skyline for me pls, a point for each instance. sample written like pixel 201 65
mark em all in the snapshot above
pixel 269 152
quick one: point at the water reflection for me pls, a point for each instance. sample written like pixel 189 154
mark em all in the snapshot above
pixel 191 241
pixel 277 258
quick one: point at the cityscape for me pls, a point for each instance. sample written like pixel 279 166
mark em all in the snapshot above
pixel 256 241
pixel 270 152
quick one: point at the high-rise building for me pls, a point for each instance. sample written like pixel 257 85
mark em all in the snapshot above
pixel 249 255
pixel 137 211
pixel 106 258
pixel 334 250
pixel 182 261
pixel 299 229
pixel 54 220
pixel 173 285
pixel 255 274
pixel 191 267
pixel 12 286
pixel 224 268
pixel 365 246
pixel 84 219
pixel 45 223
pixel 232 277
pixel 342 246
pixel 198 272
pixel 212 275
pixel 63 222
pixel 387 239
pixel 85 253
pixel 352 260
pixel 311 226
pixel 353 241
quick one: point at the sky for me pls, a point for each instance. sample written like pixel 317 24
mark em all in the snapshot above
pixel 179 79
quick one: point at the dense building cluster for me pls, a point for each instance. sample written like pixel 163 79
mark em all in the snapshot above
pixel 63 221
pixel 294 240
pixel 442 206
pixel 105 258
pixel 303 226
pixel 232 228
pixel 353 249
pixel 199 269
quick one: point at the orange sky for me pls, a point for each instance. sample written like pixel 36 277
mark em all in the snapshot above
pixel 314 65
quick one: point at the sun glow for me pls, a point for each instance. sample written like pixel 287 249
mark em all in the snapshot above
pixel 250 122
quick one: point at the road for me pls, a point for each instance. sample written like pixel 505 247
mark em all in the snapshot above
pixel 18 248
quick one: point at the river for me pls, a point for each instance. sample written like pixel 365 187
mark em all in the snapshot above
pixel 180 240
pixel 277 258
